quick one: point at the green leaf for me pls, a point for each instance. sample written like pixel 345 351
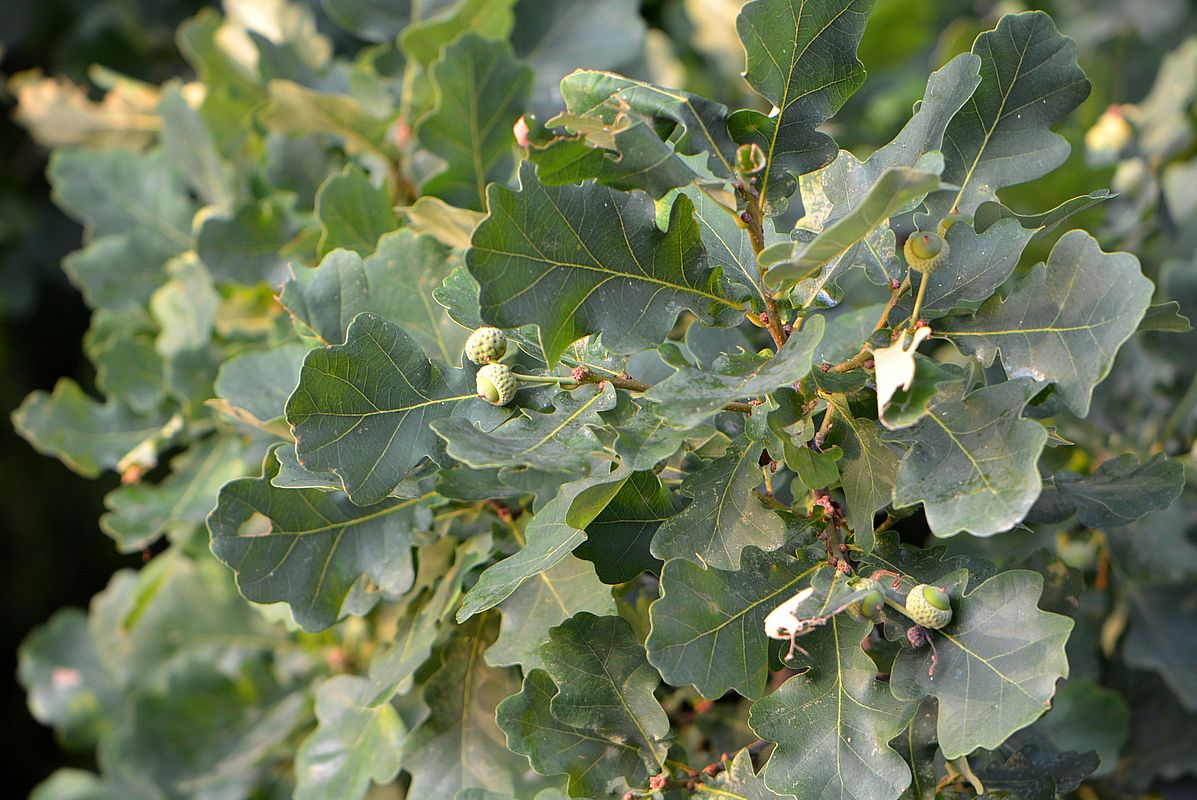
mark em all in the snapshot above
pixel 1029 81
pixel 74 784
pixel 923 564
pixel 458 745
pixel 443 566
pixel 559 592
pixel 149 619
pixel 116 271
pixel 1087 716
pixel 353 213
pixel 480 92
pixel 121 346
pixel 997 662
pixel 362 409
pixel 948 89
pixel 991 212
pixel 1064 322
pixel 248 247
pixel 1165 317
pixel 296 110
pixel 554 747
pixel 867 469
pixel 618 148
pixel 192 151
pixel 554 531
pixel 728 245
pixel 1121 490
pixel 917 745
pixel 238 720
pixel 708 627
pixel 833 723
pixel 396 282
pixel 120 192
pixel 557 38
pixel 643 438
pixel 725 515
pixel 577 260
pixel 690 395
pixel 740 781
pixel 977 264
pixel 140 513
pixel 802 59
pixel 1162 627
pixel 309 548
pixel 425 39
pixel 292 475
pixel 618 539
pixel 1027 772
pixel 836 191
pixel 261 381
pixel 605 685
pixel 82 433
pixel 972 462
pixel 381 20
pixel 562 439
pixel 896 189
pixel 353 745
pixel 185 308
pixel 69 686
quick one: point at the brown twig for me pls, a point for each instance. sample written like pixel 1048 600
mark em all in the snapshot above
pixel 753 221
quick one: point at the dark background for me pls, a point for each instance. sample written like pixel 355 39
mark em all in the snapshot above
pixel 52 553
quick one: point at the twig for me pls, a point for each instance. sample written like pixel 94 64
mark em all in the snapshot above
pixel 752 220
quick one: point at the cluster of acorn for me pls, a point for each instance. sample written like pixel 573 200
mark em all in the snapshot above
pixel 928 606
pixel 495 381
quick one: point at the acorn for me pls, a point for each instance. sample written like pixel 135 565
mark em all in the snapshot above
pixel 496 384
pixel 486 345
pixel 868 607
pixel 929 606
pixel 925 251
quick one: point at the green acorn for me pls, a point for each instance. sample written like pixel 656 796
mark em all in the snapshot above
pixel 496 384
pixel 868 607
pixel 926 251
pixel 486 345
pixel 929 606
